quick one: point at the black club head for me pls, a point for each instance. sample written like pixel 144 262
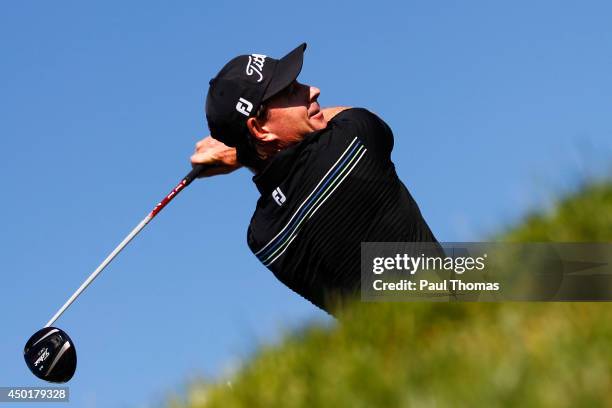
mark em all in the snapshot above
pixel 50 355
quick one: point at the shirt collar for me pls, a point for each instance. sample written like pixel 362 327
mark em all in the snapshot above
pixel 280 165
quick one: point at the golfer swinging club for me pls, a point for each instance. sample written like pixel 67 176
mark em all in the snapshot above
pixel 326 178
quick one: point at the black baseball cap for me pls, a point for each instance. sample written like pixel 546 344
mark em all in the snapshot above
pixel 241 86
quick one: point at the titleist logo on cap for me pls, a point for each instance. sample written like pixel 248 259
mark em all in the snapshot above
pixel 255 65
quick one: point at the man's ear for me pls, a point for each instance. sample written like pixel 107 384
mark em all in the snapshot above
pixel 258 130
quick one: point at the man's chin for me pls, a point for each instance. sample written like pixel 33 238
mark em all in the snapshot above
pixel 318 121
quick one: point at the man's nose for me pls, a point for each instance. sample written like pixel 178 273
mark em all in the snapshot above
pixel 314 93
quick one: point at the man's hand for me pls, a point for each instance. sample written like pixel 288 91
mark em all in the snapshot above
pixel 221 158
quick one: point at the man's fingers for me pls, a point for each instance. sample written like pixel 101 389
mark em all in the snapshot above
pixel 200 158
pixel 213 170
pixel 219 158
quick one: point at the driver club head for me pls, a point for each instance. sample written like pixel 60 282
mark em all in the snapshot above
pixel 50 355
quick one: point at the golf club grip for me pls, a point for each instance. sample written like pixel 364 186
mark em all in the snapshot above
pixel 195 172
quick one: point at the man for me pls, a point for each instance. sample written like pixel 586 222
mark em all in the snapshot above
pixel 325 176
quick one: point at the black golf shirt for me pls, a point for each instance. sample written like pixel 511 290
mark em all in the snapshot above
pixel 324 196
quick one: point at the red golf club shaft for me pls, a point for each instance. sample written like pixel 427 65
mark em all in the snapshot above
pixel 180 186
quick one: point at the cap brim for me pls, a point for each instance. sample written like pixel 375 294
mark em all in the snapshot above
pixel 286 71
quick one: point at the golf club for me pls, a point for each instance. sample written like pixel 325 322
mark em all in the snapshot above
pixel 50 354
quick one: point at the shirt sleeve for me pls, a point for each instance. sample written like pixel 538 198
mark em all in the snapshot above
pixel 375 134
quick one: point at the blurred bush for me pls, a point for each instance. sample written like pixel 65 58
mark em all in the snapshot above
pixel 444 354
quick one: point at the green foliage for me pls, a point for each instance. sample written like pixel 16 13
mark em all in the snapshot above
pixel 443 354
pixel 583 216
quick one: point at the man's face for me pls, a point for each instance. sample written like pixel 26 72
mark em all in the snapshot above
pixel 293 113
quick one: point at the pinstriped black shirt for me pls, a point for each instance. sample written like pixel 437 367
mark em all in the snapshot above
pixel 324 196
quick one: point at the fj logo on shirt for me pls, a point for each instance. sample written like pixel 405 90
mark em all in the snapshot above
pixel 243 106
pixel 255 65
pixel 278 196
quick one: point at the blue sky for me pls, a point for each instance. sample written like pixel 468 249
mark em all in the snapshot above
pixel 496 108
